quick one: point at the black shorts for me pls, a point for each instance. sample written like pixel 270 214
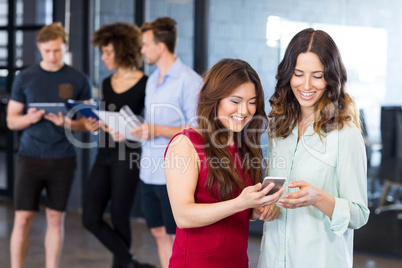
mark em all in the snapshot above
pixel 33 175
pixel 157 210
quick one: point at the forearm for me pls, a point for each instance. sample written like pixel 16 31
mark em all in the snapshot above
pixel 325 203
pixel 18 122
pixel 166 131
pixel 198 215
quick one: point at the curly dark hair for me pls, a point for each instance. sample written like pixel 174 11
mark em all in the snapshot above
pixel 335 107
pixel 126 39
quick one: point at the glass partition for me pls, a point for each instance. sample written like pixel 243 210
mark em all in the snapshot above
pixel 33 12
pixel 3 48
pixel 3 13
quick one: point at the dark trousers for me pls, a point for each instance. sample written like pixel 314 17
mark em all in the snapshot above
pixel 115 181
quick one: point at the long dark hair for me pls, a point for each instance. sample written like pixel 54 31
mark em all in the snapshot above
pixel 222 79
pixel 335 107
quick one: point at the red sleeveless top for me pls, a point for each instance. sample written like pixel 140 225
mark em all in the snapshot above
pixel 222 244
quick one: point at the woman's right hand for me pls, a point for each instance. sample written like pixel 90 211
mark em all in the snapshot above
pixel 254 197
pixel 91 124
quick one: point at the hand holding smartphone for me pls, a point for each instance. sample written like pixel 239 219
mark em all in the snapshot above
pixel 279 181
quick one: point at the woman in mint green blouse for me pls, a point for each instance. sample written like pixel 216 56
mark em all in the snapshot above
pixel 316 143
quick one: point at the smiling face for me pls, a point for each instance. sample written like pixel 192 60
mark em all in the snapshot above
pixel 307 82
pixel 237 109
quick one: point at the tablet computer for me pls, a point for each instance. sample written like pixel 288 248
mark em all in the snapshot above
pixel 49 107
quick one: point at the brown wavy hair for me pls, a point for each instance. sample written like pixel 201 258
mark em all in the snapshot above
pixel 126 39
pixel 335 107
pixel 221 80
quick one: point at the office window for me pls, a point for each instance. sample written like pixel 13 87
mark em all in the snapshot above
pixel 3 48
pixel 3 12
pixel 29 12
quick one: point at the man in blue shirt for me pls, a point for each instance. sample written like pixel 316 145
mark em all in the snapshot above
pixel 170 106
pixel 46 158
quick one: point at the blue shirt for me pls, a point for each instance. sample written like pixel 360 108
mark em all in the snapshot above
pixel 171 103
pixel 306 237
pixel 44 139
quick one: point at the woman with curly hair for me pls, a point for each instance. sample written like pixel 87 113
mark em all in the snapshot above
pixel 113 178
pixel 214 193
pixel 315 142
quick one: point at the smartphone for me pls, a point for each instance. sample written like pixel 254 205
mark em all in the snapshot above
pixel 279 181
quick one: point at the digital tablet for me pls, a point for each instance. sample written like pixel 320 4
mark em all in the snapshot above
pixel 49 107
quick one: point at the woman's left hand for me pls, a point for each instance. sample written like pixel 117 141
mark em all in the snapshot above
pixel 267 213
pixel 116 136
pixel 306 196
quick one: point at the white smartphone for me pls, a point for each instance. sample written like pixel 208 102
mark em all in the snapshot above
pixel 279 181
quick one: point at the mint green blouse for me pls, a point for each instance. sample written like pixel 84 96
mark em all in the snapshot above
pixel 306 237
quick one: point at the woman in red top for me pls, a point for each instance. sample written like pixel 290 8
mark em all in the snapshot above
pixel 213 172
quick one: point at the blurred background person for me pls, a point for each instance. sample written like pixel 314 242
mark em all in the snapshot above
pixel 46 158
pixel 113 179
pixel 170 103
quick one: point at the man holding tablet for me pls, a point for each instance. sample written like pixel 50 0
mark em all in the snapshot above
pixel 46 158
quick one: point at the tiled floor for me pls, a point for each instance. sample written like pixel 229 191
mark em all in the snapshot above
pixel 82 250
